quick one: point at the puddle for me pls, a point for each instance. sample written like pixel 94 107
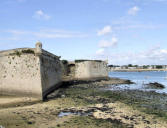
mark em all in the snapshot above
pixel 2 126
pixel 62 114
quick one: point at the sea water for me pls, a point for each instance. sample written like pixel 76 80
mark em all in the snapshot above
pixel 141 79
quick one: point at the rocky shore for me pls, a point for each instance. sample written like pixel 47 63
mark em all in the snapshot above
pixel 80 104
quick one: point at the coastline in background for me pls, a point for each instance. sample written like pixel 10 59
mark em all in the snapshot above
pixel 135 70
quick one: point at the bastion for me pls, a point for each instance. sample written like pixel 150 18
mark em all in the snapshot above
pixel 87 69
pixel 30 72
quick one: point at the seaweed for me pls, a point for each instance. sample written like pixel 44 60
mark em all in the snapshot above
pixel 16 53
pixel 64 61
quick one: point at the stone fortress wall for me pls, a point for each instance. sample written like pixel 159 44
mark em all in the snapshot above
pixel 51 72
pixel 87 69
pixel 35 72
pixel 29 72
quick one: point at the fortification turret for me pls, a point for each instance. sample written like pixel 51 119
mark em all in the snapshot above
pixel 38 48
pixel 106 61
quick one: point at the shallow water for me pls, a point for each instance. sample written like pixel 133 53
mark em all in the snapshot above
pixel 141 78
pixel 62 114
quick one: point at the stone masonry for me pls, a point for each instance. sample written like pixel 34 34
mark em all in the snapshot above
pixel 29 72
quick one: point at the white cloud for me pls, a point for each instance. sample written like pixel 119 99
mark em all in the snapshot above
pixel 133 11
pixel 151 56
pixel 108 43
pixel 163 51
pixel 104 31
pixel 44 34
pixel 17 32
pixel 100 52
pixel 126 23
pixel 57 35
pixel 138 26
pixel 103 52
pixel 41 15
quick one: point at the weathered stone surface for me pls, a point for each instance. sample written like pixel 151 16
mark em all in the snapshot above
pixel 86 70
pixel 90 69
pixel 30 72
pixel 155 85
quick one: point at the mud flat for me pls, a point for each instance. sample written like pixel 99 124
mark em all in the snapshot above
pixel 80 104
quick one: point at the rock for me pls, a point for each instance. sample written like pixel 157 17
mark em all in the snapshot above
pixel 29 122
pixel 156 85
pixel 128 82
pixel 63 96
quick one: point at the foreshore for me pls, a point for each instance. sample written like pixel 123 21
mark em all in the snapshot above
pixel 87 104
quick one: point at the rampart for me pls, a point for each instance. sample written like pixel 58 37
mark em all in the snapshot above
pixel 87 69
pixel 29 72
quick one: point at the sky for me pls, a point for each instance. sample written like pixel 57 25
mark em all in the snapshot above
pixel 120 31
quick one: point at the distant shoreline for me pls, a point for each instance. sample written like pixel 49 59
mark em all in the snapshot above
pixel 137 70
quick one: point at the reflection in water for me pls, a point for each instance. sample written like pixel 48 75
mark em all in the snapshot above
pixel 141 78
pixel 62 114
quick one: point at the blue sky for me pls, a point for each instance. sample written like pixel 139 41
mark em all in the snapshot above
pixel 122 31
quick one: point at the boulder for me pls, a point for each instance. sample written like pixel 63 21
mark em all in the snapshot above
pixel 156 85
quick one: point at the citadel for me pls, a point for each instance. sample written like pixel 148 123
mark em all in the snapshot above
pixel 35 72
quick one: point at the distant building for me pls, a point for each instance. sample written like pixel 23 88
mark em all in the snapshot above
pixel 132 67
pixel 124 67
pixel 164 66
